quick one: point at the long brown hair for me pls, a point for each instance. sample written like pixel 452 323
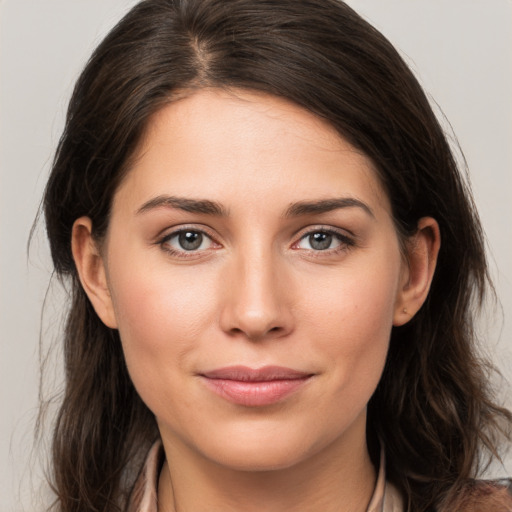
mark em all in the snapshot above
pixel 432 409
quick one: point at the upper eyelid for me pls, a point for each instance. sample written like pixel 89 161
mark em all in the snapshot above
pixel 343 232
pixel 169 232
pixel 345 240
pixel 164 243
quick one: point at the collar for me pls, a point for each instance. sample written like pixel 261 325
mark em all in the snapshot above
pixel 386 498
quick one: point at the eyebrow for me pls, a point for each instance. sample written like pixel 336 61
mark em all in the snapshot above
pixel 325 206
pixel 203 206
pixel 207 207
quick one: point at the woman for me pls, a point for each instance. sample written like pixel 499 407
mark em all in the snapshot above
pixel 260 217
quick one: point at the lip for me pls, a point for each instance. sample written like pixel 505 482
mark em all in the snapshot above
pixel 250 387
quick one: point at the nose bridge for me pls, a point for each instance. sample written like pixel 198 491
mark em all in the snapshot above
pixel 256 302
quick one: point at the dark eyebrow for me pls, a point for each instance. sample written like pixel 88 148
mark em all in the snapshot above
pixel 324 206
pixel 182 203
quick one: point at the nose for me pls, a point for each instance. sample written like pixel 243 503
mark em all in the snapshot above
pixel 257 299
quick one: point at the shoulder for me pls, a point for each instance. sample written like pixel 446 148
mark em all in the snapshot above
pixel 487 495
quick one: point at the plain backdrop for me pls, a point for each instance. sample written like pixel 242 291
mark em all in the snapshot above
pixel 461 50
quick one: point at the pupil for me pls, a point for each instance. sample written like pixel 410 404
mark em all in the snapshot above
pixel 190 240
pixel 320 241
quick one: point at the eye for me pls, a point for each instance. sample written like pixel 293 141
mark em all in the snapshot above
pixel 323 240
pixel 187 240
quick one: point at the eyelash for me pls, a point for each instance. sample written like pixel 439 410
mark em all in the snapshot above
pixel 183 254
pixel 345 242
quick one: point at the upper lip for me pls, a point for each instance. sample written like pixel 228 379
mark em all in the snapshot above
pixel 264 374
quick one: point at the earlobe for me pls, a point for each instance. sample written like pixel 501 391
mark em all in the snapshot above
pixel 422 251
pixel 91 270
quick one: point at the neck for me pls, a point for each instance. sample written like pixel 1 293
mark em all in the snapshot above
pixel 339 478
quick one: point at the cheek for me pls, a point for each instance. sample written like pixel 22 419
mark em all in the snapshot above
pixel 155 301
pixel 352 302
pixel 351 319
pixel 161 317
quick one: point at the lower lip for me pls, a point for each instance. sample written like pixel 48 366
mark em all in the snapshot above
pixel 255 394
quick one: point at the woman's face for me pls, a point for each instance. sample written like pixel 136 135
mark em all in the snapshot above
pixel 254 274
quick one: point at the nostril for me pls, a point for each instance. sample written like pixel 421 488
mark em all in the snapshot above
pixel 256 333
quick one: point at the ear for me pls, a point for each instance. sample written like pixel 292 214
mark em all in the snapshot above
pixel 91 270
pixel 421 258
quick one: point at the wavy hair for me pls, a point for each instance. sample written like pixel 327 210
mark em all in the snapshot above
pixel 432 409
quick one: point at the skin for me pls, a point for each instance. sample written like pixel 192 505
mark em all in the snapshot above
pixel 258 291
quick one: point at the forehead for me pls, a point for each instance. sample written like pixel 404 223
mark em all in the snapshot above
pixel 215 142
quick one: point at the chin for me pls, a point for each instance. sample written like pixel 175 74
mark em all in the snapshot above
pixel 268 448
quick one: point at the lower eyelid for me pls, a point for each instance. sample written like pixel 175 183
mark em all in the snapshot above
pixel 164 242
pixel 345 241
pixel 342 238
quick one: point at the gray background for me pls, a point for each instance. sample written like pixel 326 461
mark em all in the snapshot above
pixel 460 49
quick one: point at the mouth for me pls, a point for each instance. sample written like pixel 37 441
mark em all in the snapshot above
pixel 255 387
